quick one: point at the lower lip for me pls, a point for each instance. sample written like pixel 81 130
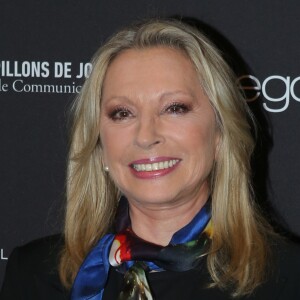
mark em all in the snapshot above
pixel 153 174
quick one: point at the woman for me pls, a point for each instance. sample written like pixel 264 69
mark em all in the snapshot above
pixel 158 183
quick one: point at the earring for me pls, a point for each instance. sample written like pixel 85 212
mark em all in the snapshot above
pixel 106 169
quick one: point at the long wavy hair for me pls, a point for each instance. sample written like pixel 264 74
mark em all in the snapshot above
pixel 239 249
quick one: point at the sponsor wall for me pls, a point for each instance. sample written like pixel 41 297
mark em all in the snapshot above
pixel 45 51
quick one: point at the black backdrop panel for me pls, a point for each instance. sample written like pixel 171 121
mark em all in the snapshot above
pixel 43 44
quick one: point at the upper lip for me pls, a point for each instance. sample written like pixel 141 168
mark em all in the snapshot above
pixel 152 160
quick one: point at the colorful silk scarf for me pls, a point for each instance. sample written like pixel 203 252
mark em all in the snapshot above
pixel 135 257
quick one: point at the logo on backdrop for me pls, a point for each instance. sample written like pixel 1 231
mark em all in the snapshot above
pixel 2 254
pixel 42 76
pixel 275 91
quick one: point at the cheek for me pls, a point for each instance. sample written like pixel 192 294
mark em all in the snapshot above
pixel 114 145
pixel 202 145
pixel 108 145
pixel 113 153
pixel 201 137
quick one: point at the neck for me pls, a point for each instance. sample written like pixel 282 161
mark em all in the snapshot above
pixel 158 223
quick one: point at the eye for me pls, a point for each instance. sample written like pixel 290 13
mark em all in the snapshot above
pixel 120 113
pixel 177 108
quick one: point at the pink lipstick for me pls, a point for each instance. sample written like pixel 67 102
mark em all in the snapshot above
pixel 154 167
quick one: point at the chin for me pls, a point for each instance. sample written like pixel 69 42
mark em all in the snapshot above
pixel 148 198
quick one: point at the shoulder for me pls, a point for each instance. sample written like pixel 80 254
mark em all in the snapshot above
pixel 289 264
pixel 40 253
pixel 284 272
pixel 33 268
pixel 38 258
pixel 287 256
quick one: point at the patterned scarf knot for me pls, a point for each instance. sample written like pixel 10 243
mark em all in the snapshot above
pixel 135 257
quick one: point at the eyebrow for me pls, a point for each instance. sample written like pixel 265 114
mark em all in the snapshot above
pixel 160 96
pixel 175 93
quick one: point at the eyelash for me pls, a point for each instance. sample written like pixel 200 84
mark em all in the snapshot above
pixel 122 113
pixel 177 108
pixel 115 114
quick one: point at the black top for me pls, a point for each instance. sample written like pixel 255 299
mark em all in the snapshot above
pixel 32 274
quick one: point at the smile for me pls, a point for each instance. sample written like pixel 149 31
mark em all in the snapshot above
pixel 156 166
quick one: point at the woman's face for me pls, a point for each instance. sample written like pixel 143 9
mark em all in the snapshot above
pixel 158 129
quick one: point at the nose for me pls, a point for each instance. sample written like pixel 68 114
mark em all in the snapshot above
pixel 148 133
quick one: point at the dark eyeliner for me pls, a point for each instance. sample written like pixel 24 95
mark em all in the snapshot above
pixel 178 108
pixel 113 114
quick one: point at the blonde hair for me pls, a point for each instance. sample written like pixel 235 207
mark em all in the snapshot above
pixel 239 247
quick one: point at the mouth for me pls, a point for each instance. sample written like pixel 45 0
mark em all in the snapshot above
pixel 156 166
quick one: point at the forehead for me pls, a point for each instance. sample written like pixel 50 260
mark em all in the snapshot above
pixel 131 57
pixel 151 68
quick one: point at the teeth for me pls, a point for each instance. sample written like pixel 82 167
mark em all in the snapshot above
pixel 156 166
